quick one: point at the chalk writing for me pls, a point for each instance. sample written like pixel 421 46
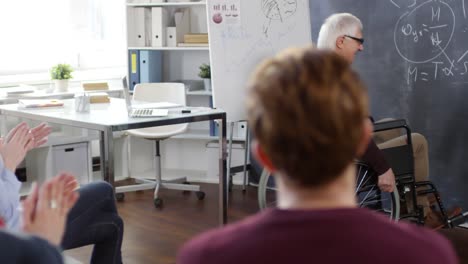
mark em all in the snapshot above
pixel 428 28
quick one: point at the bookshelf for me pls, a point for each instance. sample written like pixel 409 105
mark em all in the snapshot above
pixel 151 59
pixel 168 4
pixel 170 48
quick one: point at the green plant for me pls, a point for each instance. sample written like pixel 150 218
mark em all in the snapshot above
pixel 205 71
pixel 61 72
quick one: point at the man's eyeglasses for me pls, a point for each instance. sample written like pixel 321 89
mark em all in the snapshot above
pixel 360 40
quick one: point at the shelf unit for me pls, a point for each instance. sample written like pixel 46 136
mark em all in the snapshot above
pixel 168 4
pixel 173 63
pixel 170 48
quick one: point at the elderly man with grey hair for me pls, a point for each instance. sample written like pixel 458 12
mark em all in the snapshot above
pixel 343 33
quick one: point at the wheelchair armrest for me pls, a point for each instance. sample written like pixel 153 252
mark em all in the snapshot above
pixel 394 124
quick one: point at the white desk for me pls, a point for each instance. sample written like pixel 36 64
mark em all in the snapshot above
pixel 43 94
pixel 108 118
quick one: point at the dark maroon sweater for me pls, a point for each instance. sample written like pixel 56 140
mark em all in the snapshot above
pixel 318 236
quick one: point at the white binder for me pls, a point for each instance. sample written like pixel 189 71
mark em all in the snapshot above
pixel 171 37
pixel 182 23
pixel 136 32
pixel 159 21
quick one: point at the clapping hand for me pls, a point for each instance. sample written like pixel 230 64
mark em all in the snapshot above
pixel 46 209
pixel 39 134
pixel 15 146
pixel 19 141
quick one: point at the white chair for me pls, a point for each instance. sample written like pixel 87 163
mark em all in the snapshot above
pixel 161 92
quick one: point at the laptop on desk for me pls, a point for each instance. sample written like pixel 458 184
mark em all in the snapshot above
pixel 146 109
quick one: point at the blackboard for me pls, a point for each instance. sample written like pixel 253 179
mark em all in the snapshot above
pixel 242 33
pixel 415 64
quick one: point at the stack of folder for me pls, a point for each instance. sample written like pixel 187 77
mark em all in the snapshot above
pixel 99 98
pixel 195 40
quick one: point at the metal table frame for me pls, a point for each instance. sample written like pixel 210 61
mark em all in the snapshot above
pixel 66 116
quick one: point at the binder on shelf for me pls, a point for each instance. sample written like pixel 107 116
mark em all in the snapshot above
pixel 136 34
pixel 150 65
pixel 171 37
pixel 182 23
pixel 158 26
pixel 133 68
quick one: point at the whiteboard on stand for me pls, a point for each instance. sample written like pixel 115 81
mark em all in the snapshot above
pixel 242 33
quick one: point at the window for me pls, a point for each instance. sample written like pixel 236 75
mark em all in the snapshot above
pixel 87 34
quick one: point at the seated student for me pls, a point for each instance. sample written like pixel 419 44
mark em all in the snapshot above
pixel 94 218
pixel 308 111
pixel 44 217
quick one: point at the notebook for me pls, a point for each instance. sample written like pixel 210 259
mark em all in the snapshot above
pixel 39 103
pixel 156 109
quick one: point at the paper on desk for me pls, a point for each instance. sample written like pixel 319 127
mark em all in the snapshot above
pixel 19 90
pixel 39 103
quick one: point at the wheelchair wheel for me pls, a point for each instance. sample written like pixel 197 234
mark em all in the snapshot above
pixel 266 196
pixel 369 195
pixel 367 192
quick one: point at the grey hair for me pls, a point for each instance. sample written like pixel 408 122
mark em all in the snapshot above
pixel 335 26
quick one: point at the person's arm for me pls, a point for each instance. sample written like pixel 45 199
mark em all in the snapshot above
pixel 9 197
pixel 20 248
pixel 376 160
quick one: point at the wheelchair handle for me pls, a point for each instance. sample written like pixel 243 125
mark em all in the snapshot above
pixel 394 124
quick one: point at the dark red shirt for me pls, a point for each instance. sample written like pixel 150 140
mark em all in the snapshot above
pixel 318 236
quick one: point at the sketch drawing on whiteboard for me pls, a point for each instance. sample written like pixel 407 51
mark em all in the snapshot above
pixel 277 10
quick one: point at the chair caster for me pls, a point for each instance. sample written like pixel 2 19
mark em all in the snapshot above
pixel 158 202
pixel 200 195
pixel 120 197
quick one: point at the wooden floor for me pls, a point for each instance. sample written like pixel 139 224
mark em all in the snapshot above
pixel 154 235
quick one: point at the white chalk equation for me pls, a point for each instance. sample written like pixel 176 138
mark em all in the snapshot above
pixel 421 37
pixel 436 69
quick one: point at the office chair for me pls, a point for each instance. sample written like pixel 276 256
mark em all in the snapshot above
pixel 161 92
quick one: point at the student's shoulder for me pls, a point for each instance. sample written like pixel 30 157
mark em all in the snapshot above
pixel 435 247
pixel 423 244
pixel 215 242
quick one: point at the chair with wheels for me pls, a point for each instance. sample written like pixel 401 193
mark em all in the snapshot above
pixel 399 205
pixel 367 192
pixel 161 92
pixel 401 160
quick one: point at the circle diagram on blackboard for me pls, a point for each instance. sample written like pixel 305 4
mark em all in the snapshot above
pixel 428 28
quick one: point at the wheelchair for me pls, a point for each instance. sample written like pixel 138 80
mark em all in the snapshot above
pixel 401 204
pixel 367 193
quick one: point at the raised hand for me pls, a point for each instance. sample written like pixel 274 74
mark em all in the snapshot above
pixel 45 210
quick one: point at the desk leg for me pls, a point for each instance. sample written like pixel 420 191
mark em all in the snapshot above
pixel 223 192
pixel 106 144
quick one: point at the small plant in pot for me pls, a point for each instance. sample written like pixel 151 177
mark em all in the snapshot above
pixel 61 73
pixel 205 74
